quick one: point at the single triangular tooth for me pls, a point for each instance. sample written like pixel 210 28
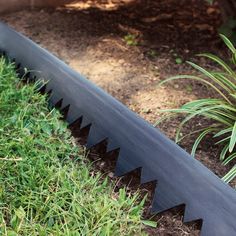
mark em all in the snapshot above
pixel 111 145
pixel 190 214
pixel 164 198
pixel 124 164
pixel 85 122
pixel 146 176
pixel 54 99
pixel 95 136
pixel 65 103
pixel 72 115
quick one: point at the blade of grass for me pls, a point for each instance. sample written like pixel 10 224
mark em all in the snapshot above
pixel 229 159
pixel 195 78
pixel 217 60
pixel 232 139
pixel 223 152
pixel 230 175
pixel 228 43
pixel 211 76
pixel 199 139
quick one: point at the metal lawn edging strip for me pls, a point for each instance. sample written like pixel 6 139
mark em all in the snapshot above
pixel 181 179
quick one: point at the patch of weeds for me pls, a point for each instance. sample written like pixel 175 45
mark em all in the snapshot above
pixel 45 186
pixel 131 40
pixel 152 54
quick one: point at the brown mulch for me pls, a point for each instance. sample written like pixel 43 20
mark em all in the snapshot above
pixel 90 37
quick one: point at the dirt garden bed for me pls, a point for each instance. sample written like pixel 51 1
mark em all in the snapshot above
pixel 91 38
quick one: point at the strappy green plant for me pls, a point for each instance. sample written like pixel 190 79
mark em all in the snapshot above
pixel 219 110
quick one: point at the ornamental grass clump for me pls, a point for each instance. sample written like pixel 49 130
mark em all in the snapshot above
pixel 220 110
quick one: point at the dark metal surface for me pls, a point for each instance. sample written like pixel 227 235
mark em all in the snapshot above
pixel 181 178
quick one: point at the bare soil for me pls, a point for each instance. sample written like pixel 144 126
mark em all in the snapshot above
pixel 90 37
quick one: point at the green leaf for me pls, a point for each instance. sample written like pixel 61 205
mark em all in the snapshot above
pixel 229 159
pixel 217 60
pixel 226 83
pixel 223 140
pixel 223 131
pixel 230 175
pixel 203 81
pixel 232 139
pixel 46 128
pixel 178 61
pixel 223 152
pixel 150 223
pixel 211 76
pixel 234 58
pixel 20 213
pixel 11 233
pixel 191 133
pixel 164 118
pixel 199 139
pixel 233 95
pixel 202 102
pixel 228 43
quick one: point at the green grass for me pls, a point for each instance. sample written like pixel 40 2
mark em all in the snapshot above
pixel 45 186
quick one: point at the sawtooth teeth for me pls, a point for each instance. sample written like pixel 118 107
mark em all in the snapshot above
pixel 124 165
pixel 111 145
pixel 146 177
pixel 95 136
pixel 85 122
pixel 65 103
pixel 190 215
pixel 54 98
pixel 58 104
pixel 164 199
pixel 72 115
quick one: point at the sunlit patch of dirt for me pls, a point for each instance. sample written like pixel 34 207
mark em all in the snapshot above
pixel 100 4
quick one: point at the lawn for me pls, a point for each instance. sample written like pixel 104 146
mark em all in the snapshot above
pixel 46 188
